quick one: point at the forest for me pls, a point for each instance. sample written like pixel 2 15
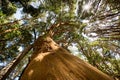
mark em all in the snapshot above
pixel 59 39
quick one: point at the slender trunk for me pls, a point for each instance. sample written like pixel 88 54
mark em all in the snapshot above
pixel 7 70
pixel 51 62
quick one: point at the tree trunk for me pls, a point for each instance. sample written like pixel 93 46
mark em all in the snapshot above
pixel 51 62
pixel 7 69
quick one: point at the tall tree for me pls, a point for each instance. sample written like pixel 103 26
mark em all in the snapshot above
pixel 51 62
pixel 89 29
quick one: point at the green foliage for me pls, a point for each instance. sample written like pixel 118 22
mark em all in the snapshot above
pixel 2 17
pixel 8 8
pixel 97 39
pixel 25 36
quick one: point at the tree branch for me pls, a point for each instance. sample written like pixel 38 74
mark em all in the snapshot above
pixel 50 31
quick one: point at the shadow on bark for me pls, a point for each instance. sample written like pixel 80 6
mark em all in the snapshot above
pixel 51 62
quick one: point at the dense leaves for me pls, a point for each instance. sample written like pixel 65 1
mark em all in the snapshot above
pixel 90 29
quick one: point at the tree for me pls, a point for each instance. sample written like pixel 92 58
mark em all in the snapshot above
pixel 92 27
pixel 51 62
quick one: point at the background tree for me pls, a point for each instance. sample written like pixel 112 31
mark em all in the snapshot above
pixel 92 28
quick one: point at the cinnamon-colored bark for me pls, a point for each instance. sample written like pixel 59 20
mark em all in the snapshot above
pixel 51 62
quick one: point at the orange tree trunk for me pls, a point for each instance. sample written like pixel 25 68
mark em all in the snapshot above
pixel 51 62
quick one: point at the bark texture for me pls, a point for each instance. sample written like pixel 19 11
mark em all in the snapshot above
pixel 51 62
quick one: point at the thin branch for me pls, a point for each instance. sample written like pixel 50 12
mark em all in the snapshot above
pixel 9 30
pixel 98 5
pixel 12 23
pixel 35 35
